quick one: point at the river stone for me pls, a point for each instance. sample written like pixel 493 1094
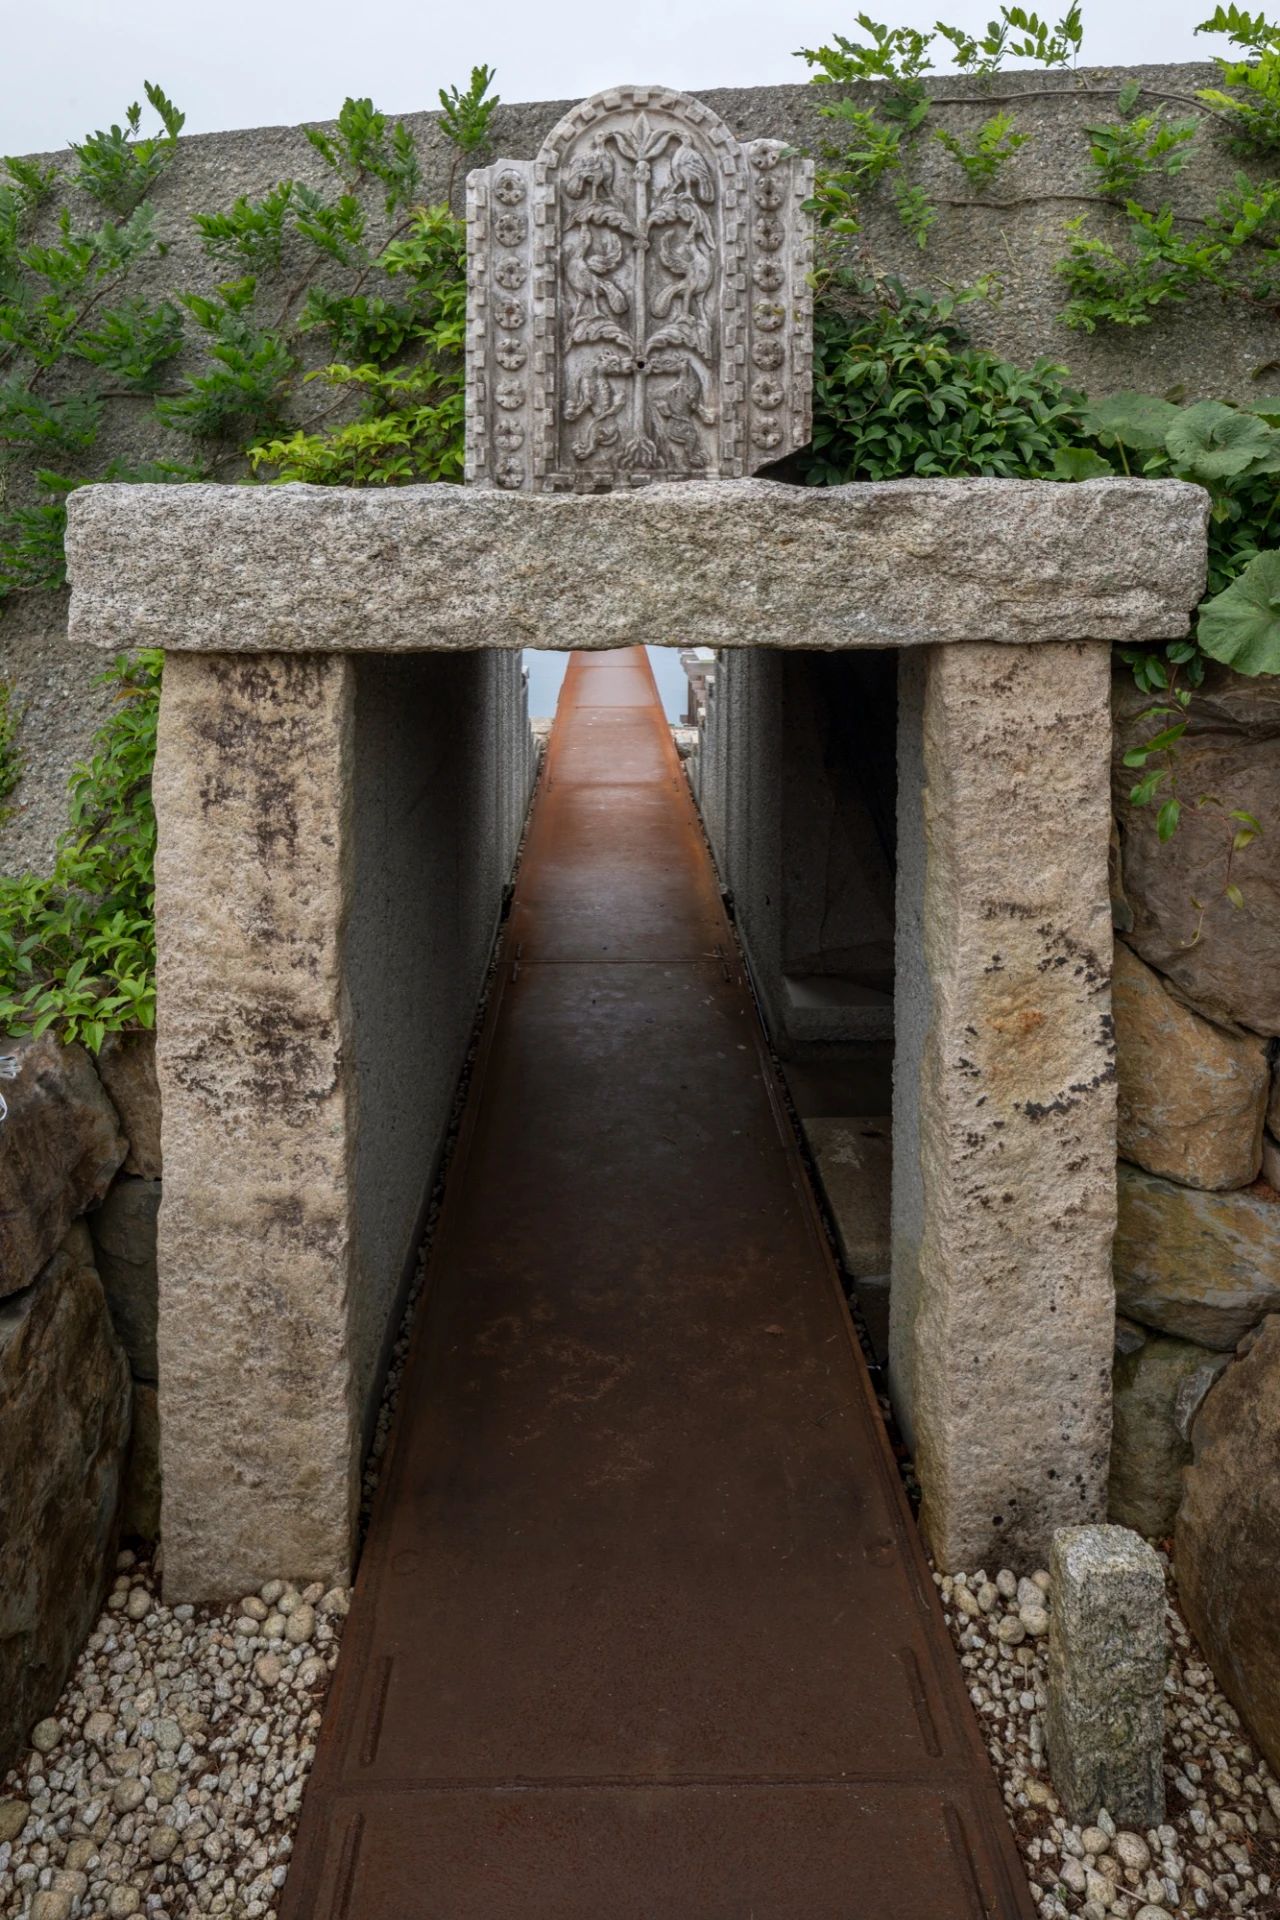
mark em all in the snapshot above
pixel 64 1430
pixel 1227 1542
pixel 1231 748
pixel 1156 1388
pixel 1192 1097
pixel 127 1068
pixel 59 1148
pixel 903 563
pixel 124 1238
pixel 854 1159
pixel 1105 1720
pixel 1204 1266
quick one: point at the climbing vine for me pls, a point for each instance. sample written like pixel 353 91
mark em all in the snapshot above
pixel 330 350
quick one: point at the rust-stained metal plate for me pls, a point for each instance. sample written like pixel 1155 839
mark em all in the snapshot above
pixel 642 1631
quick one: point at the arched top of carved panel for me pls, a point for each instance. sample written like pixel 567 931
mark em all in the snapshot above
pixel 639 304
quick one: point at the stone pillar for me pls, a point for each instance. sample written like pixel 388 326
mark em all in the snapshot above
pixel 1004 1095
pixel 259 1434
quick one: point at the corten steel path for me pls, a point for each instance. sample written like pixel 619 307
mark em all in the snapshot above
pixel 642 1631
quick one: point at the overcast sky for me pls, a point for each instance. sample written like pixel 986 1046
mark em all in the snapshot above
pixel 70 65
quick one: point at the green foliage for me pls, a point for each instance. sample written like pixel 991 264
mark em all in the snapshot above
pixel 466 117
pixel 243 394
pixel 997 139
pixel 1241 625
pixel 77 950
pixel 899 389
pixel 1253 110
pixel 367 146
pixel 118 169
pixel 1128 153
pixel 11 761
pixel 1234 251
pixel 251 234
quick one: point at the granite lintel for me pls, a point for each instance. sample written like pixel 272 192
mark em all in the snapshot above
pixel 217 569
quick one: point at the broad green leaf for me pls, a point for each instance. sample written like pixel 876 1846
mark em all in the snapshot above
pixel 1080 463
pixel 1167 820
pixel 1241 625
pixel 1211 441
pixel 1139 420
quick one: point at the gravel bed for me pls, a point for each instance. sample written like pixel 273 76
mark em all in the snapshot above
pixel 1218 1853
pixel 167 1783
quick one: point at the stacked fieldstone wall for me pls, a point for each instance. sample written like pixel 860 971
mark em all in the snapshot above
pixel 78 1188
pixel 1196 1446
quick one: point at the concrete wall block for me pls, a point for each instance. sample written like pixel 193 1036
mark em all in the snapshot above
pixel 1004 1091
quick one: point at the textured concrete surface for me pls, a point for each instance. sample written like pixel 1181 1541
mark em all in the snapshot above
pixel 1018 231
pixel 1004 1096
pixel 729 563
pixel 321 943
pixel 1205 1266
pixel 64 1430
pixel 1105 1719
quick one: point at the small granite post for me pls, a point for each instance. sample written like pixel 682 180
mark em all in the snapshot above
pixel 1107 1662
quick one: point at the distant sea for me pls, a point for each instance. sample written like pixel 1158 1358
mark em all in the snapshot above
pixel 546 671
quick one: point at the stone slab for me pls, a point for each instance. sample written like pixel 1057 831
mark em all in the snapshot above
pixel 731 563
pixel 1107 1656
pixel 261 1450
pixel 1192 1096
pixel 854 1158
pixel 1157 1388
pixel 1204 1266
pixel 1002 1306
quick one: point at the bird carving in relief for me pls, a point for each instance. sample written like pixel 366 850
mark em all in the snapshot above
pixel 592 255
pixel 600 400
pixel 692 266
pixel 594 169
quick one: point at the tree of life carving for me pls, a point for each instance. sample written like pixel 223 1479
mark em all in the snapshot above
pixel 639 305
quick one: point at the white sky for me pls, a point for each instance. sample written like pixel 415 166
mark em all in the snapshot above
pixel 67 66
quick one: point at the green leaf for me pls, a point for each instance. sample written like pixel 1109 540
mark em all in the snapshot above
pixel 1212 442
pixel 1139 420
pixel 1241 626
pixel 1080 463
pixel 1234 895
pixel 1167 819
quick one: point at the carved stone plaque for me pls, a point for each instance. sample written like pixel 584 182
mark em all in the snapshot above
pixel 639 305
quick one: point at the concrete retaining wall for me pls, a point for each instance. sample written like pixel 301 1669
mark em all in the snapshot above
pixel 1016 231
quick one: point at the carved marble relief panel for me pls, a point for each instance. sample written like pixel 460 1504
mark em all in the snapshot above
pixel 639 301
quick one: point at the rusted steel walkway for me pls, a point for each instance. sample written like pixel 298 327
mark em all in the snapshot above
pixel 642 1631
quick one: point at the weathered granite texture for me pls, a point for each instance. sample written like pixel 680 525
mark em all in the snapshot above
pixel 59 1148
pixel 639 300
pixel 1205 1266
pixel 1192 1097
pixel 253 786
pixel 64 1430
pixel 1107 1658
pixel 127 1068
pixel 1232 749
pixel 1004 1096
pixel 729 563
pixel 1227 1543
pixel 321 944
pixel 1157 1390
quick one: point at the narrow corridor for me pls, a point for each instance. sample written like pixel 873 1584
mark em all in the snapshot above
pixel 642 1630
